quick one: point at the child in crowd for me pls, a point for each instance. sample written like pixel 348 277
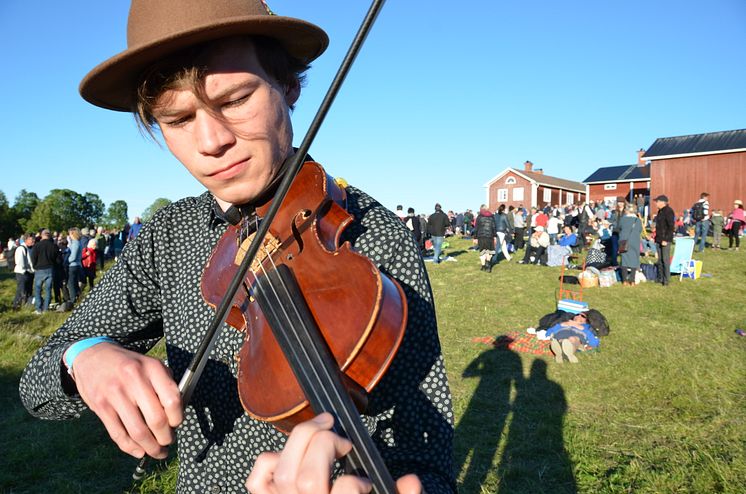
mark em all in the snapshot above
pixel 569 336
pixel 718 221
pixel 88 260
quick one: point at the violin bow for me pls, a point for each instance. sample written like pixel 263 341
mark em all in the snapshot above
pixel 292 165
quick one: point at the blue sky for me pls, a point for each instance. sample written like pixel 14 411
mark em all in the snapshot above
pixel 444 95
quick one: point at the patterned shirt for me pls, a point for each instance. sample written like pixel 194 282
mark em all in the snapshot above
pixel 153 291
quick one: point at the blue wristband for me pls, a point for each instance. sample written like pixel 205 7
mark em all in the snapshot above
pixel 74 350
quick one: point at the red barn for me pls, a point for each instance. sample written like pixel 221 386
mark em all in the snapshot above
pixel 531 188
pixel 614 183
pixel 683 167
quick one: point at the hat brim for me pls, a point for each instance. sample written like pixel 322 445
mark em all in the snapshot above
pixel 111 84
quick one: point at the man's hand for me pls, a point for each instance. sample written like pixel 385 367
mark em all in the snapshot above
pixel 664 243
pixel 304 465
pixel 134 395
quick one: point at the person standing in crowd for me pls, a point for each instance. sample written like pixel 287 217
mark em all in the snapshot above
pixel 664 231
pixel 44 258
pixel 24 270
pixel 485 231
pixel 718 222
pixel 413 223
pixel 736 221
pixel 88 263
pixel 100 247
pixel 85 237
pixel 630 233
pixel 502 224
pixel 616 217
pixel 400 212
pixel 437 223
pixel 223 109
pixel 135 228
pixel 468 223
pixel 519 228
pixel 701 219
pixel 74 264
pixel 59 273
pixel 553 228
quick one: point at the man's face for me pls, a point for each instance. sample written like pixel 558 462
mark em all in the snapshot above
pixel 660 204
pixel 234 143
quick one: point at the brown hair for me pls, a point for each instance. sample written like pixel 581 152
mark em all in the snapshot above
pixel 184 71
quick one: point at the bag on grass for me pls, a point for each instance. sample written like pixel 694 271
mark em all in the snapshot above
pixel 607 277
pixel 650 271
pixel 588 279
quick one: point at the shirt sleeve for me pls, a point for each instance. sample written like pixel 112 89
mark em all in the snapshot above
pixel 125 306
pixel 412 404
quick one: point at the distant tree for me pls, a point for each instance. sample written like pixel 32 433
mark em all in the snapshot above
pixel 93 210
pixel 153 208
pixel 116 215
pixel 8 224
pixel 23 208
pixel 60 210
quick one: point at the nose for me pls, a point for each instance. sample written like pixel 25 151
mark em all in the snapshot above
pixel 213 135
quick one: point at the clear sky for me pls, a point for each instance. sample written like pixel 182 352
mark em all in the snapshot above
pixel 444 95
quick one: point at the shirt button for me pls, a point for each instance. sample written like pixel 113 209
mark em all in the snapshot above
pixel 215 489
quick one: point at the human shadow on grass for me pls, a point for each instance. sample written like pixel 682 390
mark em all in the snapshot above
pixel 477 435
pixel 534 459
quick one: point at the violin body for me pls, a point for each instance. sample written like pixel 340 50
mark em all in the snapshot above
pixel 360 312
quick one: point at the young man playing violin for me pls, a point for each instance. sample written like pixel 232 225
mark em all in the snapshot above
pixel 218 80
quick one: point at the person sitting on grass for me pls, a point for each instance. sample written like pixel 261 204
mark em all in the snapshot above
pixel 537 247
pixel 568 337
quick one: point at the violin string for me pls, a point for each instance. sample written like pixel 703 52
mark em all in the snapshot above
pixel 323 389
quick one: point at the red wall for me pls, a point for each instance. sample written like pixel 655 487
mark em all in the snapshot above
pixel 683 179
pixel 597 192
pixel 500 184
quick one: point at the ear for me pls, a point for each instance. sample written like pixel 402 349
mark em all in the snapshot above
pixel 292 93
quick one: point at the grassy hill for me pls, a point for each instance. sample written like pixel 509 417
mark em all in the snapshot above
pixel 659 409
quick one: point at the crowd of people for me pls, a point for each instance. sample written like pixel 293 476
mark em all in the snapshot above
pixel 60 265
pixel 620 233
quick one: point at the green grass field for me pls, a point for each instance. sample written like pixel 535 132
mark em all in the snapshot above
pixel 659 409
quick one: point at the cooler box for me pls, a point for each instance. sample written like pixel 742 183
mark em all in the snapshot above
pixel 572 306
pixel 691 269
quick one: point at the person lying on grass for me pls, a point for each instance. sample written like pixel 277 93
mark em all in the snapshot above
pixel 569 336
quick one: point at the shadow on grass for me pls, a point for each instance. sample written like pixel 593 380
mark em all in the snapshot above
pixel 533 458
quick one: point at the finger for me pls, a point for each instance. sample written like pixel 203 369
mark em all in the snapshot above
pixel 128 413
pixel 118 433
pixel 170 398
pixel 349 484
pixel 261 478
pixel 295 450
pixel 409 484
pixel 141 392
pixel 314 472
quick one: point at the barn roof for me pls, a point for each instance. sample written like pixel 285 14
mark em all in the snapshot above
pixel 541 179
pixel 561 183
pixel 697 144
pixel 623 173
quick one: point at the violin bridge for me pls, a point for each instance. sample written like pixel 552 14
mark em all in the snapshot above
pixel 271 244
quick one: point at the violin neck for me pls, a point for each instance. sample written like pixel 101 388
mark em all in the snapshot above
pixel 318 373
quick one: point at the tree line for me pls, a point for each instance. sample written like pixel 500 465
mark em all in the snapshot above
pixel 62 209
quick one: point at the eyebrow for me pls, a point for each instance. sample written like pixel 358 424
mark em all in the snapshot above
pixel 166 112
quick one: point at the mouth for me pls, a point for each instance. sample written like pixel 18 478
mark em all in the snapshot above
pixel 230 170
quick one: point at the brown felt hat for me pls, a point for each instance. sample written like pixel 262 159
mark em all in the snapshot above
pixel 159 28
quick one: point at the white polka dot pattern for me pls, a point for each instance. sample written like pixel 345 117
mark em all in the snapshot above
pixel 153 291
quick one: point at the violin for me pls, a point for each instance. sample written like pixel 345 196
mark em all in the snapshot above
pixel 322 324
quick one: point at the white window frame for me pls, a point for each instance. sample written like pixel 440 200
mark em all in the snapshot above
pixel 609 186
pixel 570 198
pixel 517 194
pixel 502 195
pixel 547 196
pixel 510 181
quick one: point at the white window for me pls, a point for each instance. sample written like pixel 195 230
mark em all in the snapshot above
pixel 609 186
pixel 547 195
pixel 502 195
pixel 570 198
pixel 510 181
pixel 517 194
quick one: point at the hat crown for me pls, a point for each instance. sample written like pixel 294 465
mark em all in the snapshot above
pixel 151 20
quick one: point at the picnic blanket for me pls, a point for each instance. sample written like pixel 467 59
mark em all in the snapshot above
pixel 517 341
